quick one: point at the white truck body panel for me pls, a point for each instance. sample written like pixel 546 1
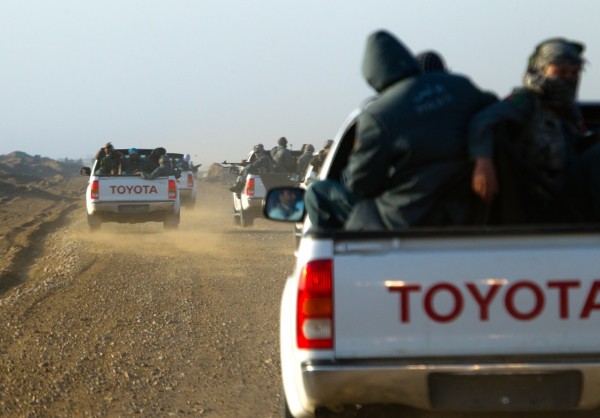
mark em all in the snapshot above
pixel 523 317
pixel 186 184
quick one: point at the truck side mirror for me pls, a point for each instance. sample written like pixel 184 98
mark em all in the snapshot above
pixel 285 204
pixel 85 171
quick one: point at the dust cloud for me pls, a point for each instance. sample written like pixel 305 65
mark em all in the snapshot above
pixel 205 229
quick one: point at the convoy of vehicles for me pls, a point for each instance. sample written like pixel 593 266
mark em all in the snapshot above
pixel 478 318
pixel 131 198
pixel 491 318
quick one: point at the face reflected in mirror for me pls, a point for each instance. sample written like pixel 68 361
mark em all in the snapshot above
pixel 285 204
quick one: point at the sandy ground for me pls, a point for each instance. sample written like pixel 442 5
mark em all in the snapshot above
pixel 135 321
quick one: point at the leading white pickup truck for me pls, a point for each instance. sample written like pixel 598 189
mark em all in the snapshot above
pixel 126 198
pixel 493 318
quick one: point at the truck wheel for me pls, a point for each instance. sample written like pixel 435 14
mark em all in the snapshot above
pixel 171 220
pixel 236 217
pixel 94 222
pixel 246 219
pixel 189 203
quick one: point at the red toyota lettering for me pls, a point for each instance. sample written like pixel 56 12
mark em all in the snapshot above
pixel 429 306
pixel 404 299
pixel 563 295
pixel 138 189
pixel 509 300
pixel 484 301
pixel 590 302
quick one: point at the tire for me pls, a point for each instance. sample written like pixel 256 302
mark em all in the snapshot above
pixel 246 219
pixel 171 220
pixel 236 218
pixel 189 203
pixel 94 222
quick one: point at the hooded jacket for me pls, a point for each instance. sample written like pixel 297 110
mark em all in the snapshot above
pixel 410 159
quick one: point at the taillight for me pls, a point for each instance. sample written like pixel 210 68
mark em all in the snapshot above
pixel 314 310
pixel 172 189
pixel 95 190
pixel 250 187
pixel 190 180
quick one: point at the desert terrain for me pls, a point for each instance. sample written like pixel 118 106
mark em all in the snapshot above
pixel 133 320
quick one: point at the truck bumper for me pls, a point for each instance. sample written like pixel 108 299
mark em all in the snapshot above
pixel 454 386
pixel 133 212
pixel 186 193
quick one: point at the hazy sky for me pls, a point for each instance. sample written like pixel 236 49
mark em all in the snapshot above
pixel 213 77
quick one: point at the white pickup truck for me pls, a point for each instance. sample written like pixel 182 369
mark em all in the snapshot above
pixel 130 198
pixel 247 205
pixel 186 181
pixel 477 319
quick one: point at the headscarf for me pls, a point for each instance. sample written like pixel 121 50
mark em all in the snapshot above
pixel 555 91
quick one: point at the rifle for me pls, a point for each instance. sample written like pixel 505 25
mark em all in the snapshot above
pixel 235 168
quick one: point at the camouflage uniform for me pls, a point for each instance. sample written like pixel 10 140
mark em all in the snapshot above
pixel 261 163
pixel 282 157
pixel 318 160
pixel 304 160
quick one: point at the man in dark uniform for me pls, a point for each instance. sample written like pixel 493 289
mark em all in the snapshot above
pixel 304 159
pixel 283 160
pixel 317 160
pixel 109 160
pixel 409 164
pixel 261 163
pixel 555 165
pixel 157 164
pixel 134 164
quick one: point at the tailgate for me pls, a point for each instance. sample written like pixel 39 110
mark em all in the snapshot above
pixel 133 189
pixel 472 296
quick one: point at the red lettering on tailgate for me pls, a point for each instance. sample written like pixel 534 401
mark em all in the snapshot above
pixel 484 299
pixel 590 302
pixel 404 299
pixel 459 303
pixel 563 295
pixel 509 300
pixel 138 189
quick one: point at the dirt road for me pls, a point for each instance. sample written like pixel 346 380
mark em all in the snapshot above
pixel 133 320
pixel 136 321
